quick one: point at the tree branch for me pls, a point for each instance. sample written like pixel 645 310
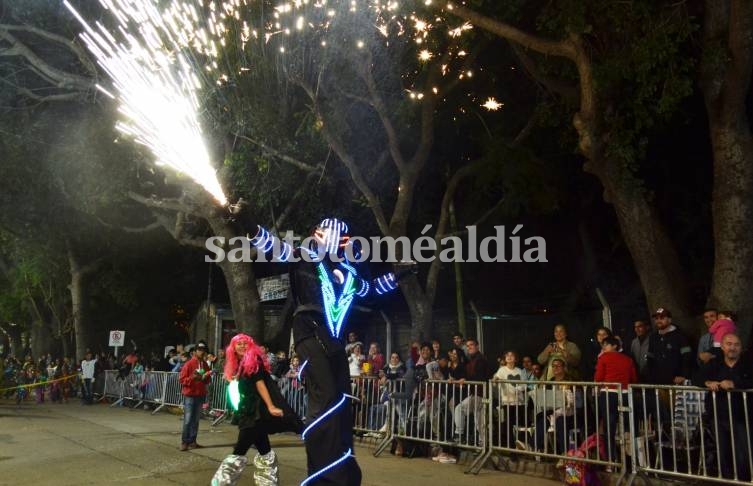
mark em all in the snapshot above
pixel 572 48
pixel 176 230
pixel 506 31
pixel 130 229
pixel 61 78
pixel 49 98
pixel 444 217
pixel 384 157
pixel 377 102
pixel 80 53
pixel 526 130
pixel 338 147
pixel 557 86
pixel 293 202
pixel 284 157
pixel 164 203
pixel 479 221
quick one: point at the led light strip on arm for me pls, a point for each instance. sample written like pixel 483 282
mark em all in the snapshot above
pixel 265 242
pixel 385 283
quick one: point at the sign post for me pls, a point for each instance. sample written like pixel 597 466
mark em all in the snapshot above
pixel 117 338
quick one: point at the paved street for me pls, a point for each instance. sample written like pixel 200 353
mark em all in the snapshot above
pixel 74 445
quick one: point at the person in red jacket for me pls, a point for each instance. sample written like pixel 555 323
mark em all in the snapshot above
pixel 613 367
pixel 194 377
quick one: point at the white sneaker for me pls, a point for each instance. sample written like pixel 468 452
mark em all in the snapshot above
pixel 522 445
pixel 448 460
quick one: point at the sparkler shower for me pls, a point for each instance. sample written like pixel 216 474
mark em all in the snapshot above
pixel 155 86
pixel 164 53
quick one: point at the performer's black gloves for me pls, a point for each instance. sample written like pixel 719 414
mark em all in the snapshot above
pixel 403 269
pixel 240 216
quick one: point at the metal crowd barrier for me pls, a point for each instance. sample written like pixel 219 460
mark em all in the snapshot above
pixel 440 413
pixel 688 432
pixel 294 391
pixel 570 422
pixel 367 412
pixel 676 431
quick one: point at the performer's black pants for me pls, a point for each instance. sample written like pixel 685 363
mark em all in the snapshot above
pixel 327 378
pixel 249 436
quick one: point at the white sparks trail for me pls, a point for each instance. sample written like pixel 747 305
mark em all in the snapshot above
pixel 208 27
pixel 163 54
pixel 154 85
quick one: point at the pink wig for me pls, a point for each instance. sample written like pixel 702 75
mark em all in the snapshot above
pixel 249 363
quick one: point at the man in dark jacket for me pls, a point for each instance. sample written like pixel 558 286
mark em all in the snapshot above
pixel 476 370
pixel 194 377
pixel 727 408
pixel 670 358
pixel 669 362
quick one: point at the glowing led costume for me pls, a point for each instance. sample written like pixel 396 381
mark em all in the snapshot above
pixel 324 291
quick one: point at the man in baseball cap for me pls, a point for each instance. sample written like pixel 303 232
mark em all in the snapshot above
pixel 194 377
pixel 669 360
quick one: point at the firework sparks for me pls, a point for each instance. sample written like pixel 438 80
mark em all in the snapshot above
pixel 492 105
pixel 155 86
pixel 164 53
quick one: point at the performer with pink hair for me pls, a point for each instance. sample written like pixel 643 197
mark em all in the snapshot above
pixel 260 410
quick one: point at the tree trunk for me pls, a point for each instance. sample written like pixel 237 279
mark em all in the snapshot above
pixel 244 298
pixel 65 345
pixel 725 80
pixel 64 341
pixel 241 284
pixel 82 326
pixel 79 306
pixel 41 338
pixel 732 209
pixel 652 251
pixel 458 270
pixel 419 307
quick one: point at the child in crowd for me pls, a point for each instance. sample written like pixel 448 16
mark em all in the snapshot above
pixel 721 327
pixel 39 378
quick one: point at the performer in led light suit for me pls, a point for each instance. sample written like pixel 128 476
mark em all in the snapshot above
pixel 324 292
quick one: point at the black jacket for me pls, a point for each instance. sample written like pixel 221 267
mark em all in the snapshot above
pixel 669 355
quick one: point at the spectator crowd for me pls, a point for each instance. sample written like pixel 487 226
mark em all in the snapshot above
pixel 660 354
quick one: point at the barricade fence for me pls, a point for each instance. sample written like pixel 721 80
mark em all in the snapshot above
pixel 689 432
pixel 440 414
pixel 571 423
pixel 674 431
